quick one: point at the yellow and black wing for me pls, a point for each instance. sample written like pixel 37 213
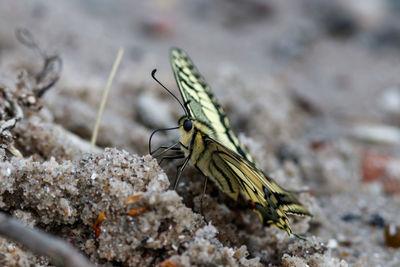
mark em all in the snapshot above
pixel 201 103
pixel 237 175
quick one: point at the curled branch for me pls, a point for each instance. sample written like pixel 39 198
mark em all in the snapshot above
pixel 52 66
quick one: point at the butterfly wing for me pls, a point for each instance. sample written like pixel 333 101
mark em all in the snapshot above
pixel 201 103
pixel 269 200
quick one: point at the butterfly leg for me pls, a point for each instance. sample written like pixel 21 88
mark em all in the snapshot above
pixel 179 171
pixel 166 148
pixel 202 195
pixel 300 236
pixel 177 156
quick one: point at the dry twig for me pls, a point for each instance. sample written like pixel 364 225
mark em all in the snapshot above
pixel 59 252
pixel 104 98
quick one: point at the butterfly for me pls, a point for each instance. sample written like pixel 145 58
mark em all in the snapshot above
pixel 212 147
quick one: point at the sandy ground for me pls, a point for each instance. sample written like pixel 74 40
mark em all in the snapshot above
pixel 312 89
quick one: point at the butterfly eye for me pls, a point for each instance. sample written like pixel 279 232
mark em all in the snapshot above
pixel 187 125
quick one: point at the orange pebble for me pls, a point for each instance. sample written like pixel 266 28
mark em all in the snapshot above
pixel 168 263
pixel 374 166
pixel 99 220
pixel 137 211
pixel 392 236
pixel 391 185
pixel 132 199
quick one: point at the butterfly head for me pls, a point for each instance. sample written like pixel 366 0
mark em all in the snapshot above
pixel 186 128
pixel 191 127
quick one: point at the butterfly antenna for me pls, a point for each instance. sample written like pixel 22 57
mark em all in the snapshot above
pixel 158 130
pixel 174 96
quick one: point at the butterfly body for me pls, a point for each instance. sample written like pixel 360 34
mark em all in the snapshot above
pixel 200 149
pixel 211 146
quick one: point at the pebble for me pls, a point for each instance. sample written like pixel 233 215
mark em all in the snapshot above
pixel 392 236
pixel 348 217
pixel 390 100
pixel 373 166
pixel 376 133
pixel 377 220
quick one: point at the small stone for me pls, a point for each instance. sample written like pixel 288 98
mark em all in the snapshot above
pixel 391 185
pixel 350 217
pixel 377 220
pixel 390 100
pixel 373 166
pixel 157 27
pixel 392 236
pixel 332 243
pixel 341 23
pixel 377 134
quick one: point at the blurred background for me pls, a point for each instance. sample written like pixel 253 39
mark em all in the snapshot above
pixel 342 56
pixel 314 82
